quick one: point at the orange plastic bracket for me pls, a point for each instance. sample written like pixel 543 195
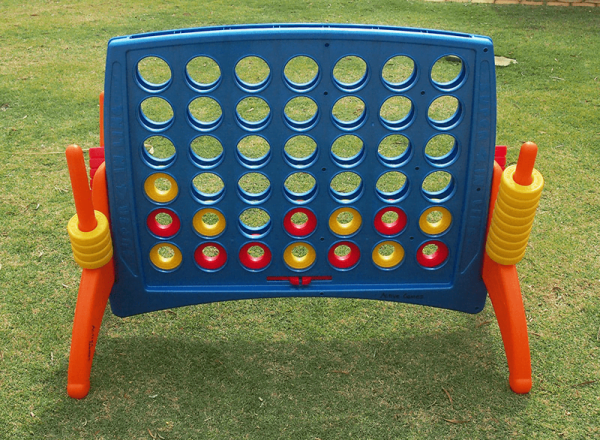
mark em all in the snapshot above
pixel 95 285
pixel 504 290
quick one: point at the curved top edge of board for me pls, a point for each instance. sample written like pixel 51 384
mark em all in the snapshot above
pixel 306 30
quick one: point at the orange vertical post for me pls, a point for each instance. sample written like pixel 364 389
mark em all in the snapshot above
pixel 81 189
pixel 102 120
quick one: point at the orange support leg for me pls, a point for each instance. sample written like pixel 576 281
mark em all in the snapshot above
pixel 502 283
pixel 503 287
pixel 94 290
pixel 95 285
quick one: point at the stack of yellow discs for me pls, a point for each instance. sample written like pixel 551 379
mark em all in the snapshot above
pixel 92 249
pixel 513 217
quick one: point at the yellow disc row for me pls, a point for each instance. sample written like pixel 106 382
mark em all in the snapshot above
pixel 298 255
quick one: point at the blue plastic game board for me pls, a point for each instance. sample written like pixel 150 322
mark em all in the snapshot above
pixel 450 279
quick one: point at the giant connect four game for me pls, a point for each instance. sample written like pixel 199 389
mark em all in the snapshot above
pixel 293 160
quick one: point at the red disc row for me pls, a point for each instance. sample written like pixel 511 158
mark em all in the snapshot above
pixel 171 223
pixel 257 256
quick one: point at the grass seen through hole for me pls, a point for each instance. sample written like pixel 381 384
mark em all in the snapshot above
pixel 385 250
pixel 430 249
pixel 163 219
pixel 210 251
pixel 299 218
pixel 389 217
pixel 256 251
pixel 254 217
pixel 342 250
pixel 166 252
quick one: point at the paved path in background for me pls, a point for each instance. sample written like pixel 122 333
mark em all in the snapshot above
pixel 586 3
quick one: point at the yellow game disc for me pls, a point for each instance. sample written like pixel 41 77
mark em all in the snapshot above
pixel 165 262
pixel 345 229
pixel 299 263
pixel 205 229
pixel 520 192
pixel 160 195
pixel 437 227
pixel 391 260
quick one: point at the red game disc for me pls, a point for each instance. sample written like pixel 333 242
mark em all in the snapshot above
pixel 393 228
pixel 160 230
pixel 344 261
pixel 300 230
pixel 434 259
pixel 210 262
pixel 255 263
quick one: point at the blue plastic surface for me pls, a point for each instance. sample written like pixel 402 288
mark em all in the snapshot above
pixel 456 284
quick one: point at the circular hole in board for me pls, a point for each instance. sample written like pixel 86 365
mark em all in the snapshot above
pixel 396 113
pixel 392 186
pixel 346 187
pixel 445 112
pixel 205 113
pixel 350 73
pixel 441 150
pixel 254 188
pixel 253 151
pixel 208 188
pixel 399 73
pixel 252 74
pixel 206 151
pixel 347 151
pixel 448 72
pixel 300 187
pixel 300 151
pixel 156 113
pixel 301 113
pixel 159 151
pixel 301 73
pixel 394 150
pixel 253 113
pixel 153 74
pixel 438 186
pixel 203 73
pixel 254 223
pixel 349 113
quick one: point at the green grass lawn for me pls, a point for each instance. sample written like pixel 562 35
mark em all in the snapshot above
pixel 297 368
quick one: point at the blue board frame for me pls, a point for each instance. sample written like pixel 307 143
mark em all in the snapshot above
pixel 456 284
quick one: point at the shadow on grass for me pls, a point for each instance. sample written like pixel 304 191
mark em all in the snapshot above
pixel 436 384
